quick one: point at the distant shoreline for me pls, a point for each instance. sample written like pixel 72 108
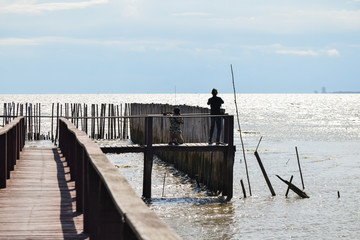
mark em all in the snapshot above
pixel 345 92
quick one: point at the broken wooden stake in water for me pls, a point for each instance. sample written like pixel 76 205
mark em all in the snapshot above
pixel 265 174
pixel 287 191
pixel 294 188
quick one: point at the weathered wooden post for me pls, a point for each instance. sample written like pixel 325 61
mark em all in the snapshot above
pixel 298 160
pixel 264 173
pixel 17 140
pixel 85 193
pixel 110 221
pixel 287 191
pixel 3 159
pixel 93 198
pixel 229 156
pixel 79 183
pixel 22 133
pixel 52 122
pixel 243 188
pixel 11 151
pixel 148 158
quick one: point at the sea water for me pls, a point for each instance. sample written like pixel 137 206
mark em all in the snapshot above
pixel 325 128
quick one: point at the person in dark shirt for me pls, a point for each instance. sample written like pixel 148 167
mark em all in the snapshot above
pixel 215 109
pixel 175 131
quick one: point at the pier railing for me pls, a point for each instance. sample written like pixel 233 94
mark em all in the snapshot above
pixel 111 208
pixel 202 169
pixel 209 164
pixel 12 141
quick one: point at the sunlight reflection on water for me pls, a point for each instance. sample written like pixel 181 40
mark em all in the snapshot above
pixel 324 127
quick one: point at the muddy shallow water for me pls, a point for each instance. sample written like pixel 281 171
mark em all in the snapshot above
pixel 324 127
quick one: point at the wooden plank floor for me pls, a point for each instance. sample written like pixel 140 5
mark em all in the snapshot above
pixel 39 201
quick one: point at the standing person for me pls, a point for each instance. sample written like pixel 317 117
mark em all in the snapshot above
pixel 215 104
pixel 175 130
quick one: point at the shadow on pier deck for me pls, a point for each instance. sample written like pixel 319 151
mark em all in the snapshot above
pixel 72 193
pixel 38 201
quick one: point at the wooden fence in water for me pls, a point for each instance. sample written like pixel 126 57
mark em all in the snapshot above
pixel 207 167
pixel 99 121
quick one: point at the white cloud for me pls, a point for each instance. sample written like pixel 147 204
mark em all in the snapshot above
pixel 333 52
pixel 143 45
pixel 298 52
pixel 191 14
pixel 127 44
pixel 131 8
pixel 32 7
pixel 330 52
pixel 41 41
pixel 18 42
pixel 285 20
pixel 284 50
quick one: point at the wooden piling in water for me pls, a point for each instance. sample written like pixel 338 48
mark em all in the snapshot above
pixel 264 173
pixel 243 188
pixel 148 158
pixel 287 191
pixel 298 160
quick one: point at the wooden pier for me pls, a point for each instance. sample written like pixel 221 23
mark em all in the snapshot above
pixel 210 165
pixel 71 192
pixel 148 148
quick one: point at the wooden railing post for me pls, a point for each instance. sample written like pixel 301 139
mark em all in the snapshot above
pixel 93 198
pixel 10 152
pixel 11 143
pixel 23 129
pixel 3 160
pixel 62 133
pixel 86 203
pixel 110 222
pixel 79 177
pixel 226 128
pixel 17 140
pixel 229 157
pixel 71 159
pixel 148 157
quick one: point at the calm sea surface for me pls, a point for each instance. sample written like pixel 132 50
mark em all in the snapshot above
pixel 324 127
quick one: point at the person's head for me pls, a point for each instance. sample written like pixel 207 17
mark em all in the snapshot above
pixel 176 111
pixel 214 92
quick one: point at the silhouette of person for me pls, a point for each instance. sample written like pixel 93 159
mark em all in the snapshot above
pixel 215 109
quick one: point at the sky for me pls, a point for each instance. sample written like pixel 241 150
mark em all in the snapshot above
pixel 182 46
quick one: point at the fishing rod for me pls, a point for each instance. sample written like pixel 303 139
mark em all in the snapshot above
pixel 238 121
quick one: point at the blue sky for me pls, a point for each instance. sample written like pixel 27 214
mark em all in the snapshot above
pixel 157 46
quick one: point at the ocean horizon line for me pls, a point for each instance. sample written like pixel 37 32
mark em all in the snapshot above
pixel 172 93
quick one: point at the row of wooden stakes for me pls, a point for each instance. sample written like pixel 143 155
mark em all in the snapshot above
pixel 107 121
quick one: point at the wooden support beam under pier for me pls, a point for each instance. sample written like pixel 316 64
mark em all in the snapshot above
pixel 186 147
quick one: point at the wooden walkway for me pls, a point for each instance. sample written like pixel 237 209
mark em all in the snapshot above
pixel 39 201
